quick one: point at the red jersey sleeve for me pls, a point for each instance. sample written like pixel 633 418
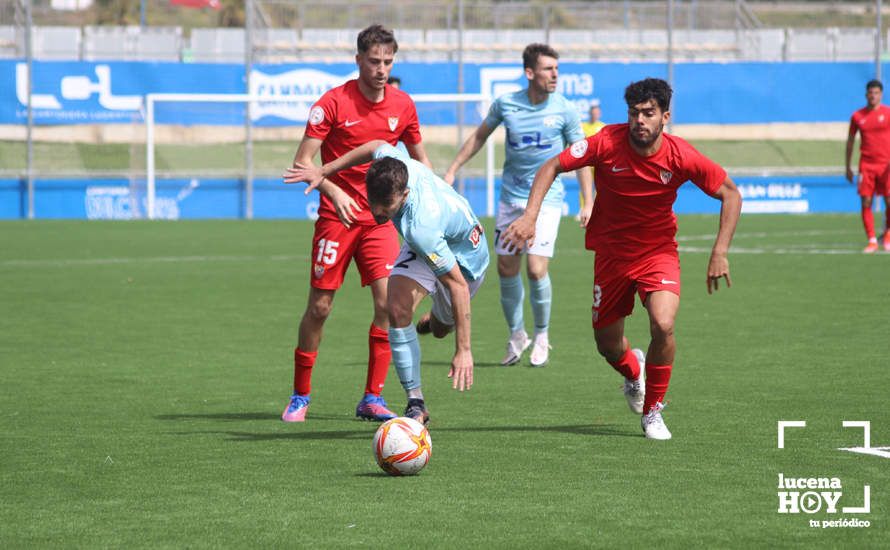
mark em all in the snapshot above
pixel 702 171
pixel 411 133
pixel 321 117
pixel 581 153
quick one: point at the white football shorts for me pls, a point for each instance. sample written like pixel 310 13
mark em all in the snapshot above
pixel 546 229
pixel 409 265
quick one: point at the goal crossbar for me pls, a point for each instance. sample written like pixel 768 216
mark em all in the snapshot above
pixel 152 99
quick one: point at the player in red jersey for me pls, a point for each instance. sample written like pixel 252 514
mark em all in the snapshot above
pixel 633 231
pixel 345 117
pixel 873 123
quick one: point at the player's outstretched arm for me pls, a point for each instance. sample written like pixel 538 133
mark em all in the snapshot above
pixel 467 150
pixel 461 372
pixel 522 231
pixel 315 175
pixel 585 181
pixel 730 209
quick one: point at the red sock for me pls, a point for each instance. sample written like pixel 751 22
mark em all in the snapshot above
pixel 379 356
pixel 657 379
pixel 303 363
pixel 868 220
pixel 886 216
pixel 628 365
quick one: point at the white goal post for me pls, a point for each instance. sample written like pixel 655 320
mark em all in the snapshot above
pixel 152 100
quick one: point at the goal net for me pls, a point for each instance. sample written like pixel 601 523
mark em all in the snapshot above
pixel 222 155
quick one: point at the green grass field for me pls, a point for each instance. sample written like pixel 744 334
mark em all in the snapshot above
pixel 145 366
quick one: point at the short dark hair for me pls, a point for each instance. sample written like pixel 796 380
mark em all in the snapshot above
pixel 374 35
pixel 649 88
pixel 386 178
pixel 394 80
pixel 874 84
pixel 532 52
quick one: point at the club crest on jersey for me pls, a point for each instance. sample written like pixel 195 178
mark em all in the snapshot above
pixel 476 235
pixel 578 148
pixel 552 121
pixel 665 176
pixel 316 115
pixel 319 271
pixel 393 122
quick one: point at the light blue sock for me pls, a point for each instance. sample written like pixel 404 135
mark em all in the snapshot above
pixel 541 294
pixel 512 296
pixel 406 355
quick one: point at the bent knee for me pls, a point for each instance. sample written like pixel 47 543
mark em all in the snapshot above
pixel 661 328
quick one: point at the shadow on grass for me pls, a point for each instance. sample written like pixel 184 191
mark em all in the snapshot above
pixel 608 430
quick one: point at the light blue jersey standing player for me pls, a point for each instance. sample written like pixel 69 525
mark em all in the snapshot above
pixel 539 123
pixel 444 255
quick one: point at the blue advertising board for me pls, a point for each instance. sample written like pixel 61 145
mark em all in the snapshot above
pixel 724 93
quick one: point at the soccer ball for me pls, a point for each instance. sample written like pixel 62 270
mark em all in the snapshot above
pixel 402 446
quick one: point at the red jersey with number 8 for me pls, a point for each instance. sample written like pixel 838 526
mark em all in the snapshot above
pixel 633 212
pixel 343 118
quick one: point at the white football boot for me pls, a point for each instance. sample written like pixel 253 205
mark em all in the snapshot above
pixel 518 343
pixel 540 350
pixel 635 390
pixel 653 424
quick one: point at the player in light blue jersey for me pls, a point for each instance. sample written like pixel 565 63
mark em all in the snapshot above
pixel 444 255
pixel 539 123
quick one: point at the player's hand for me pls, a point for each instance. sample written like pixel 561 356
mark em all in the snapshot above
pixel 345 207
pixel 449 178
pixel 718 267
pixel 519 234
pixel 308 173
pixel 461 372
pixel 584 214
pixel 849 175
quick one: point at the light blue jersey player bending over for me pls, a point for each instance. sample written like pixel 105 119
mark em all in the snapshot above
pixel 539 124
pixel 444 255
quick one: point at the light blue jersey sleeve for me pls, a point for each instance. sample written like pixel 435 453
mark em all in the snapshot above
pixel 572 131
pixel 495 114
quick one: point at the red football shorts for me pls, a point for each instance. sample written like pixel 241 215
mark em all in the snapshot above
pixel 615 282
pixel 374 247
pixel 874 179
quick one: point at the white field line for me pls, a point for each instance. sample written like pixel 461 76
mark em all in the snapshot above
pixel 803 248
pixel 762 234
pixel 73 262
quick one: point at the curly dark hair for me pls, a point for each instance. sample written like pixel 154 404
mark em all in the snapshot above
pixel 650 88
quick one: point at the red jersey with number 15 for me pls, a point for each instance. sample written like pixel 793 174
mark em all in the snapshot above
pixel 874 125
pixel 633 212
pixel 343 118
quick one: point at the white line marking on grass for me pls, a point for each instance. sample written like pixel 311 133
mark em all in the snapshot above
pixel 786 250
pixel 762 234
pixel 71 262
pixel 883 452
